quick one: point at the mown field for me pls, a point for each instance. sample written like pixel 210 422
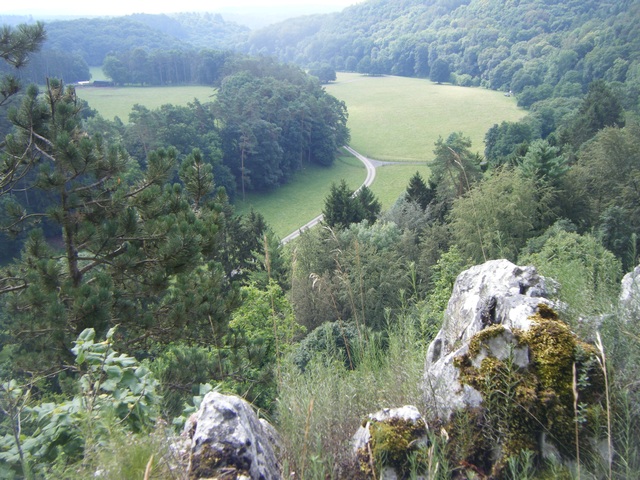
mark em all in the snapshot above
pixel 117 101
pixel 399 118
pixel 391 118
pixel 296 203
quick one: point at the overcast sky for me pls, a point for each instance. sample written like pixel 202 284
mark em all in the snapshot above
pixel 123 7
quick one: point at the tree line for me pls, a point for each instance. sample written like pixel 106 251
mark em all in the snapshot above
pixel 535 49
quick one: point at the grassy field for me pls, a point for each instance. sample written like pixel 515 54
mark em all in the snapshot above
pixel 296 203
pixel 391 118
pixel 391 181
pixel 117 101
pixel 398 118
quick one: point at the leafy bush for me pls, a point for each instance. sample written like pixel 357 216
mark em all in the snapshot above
pixel 332 340
pixel 113 390
pixel 321 408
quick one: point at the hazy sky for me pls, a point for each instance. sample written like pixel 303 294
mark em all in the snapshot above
pixel 124 7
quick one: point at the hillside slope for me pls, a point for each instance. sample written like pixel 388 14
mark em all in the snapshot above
pixel 501 44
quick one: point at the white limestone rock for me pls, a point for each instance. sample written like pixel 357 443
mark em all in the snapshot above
pixel 227 440
pixel 630 295
pixel 494 293
pixel 403 417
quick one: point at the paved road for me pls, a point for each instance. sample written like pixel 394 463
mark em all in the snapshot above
pixel 371 175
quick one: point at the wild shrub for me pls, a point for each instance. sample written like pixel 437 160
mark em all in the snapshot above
pixel 321 408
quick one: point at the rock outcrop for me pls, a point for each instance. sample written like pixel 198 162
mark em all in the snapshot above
pixel 502 375
pixel 228 441
pixel 494 293
pixel 386 441
pixel 630 295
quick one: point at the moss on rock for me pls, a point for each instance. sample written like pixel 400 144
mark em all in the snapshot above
pixel 393 443
pixel 522 405
pixel 480 338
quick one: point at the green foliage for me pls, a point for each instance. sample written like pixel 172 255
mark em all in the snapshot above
pixel 454 167
pixel 332 340
pixel 544 164
pixel 98 37
pixel 324 72
pixel 340 208
pixel 497 217
pixel 600 108
pixel 274 118
pixel 443 276
pixel 419 192
pixel 130 247
pixel 343 207
pixel 314 420
pixel 16 46
pixel 197 177
pixel 440 71
pixel 353 275
pixel 112 389
pixel 533 48
pixel 242 357
pixel 602 188
pixel 504 142
pixel 588 274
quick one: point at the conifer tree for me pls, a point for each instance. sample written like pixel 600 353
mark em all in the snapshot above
pixel 15 47
pixel 369 205
pixel 419 192
pixel 339 208
pixel 139 253
pixel 343 207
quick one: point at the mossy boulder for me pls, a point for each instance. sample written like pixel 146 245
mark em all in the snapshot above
pixel 390 443
pixel 496 298
pixel 228 441
pixel 521 375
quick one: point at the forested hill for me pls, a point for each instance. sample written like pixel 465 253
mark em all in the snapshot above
pixel 93 38
pixel 74 45
pixel 502 44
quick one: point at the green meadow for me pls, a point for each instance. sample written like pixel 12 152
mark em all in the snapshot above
pixel 391 118
pixel 399 118
pixel 117 101
pixel 301 200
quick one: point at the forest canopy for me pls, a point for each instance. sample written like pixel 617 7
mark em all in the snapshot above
pixel 129 286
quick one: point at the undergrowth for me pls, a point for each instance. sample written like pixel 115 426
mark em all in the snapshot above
pixel 321 408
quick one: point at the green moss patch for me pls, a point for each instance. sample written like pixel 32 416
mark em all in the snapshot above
pixel 394 443
pixel 522 405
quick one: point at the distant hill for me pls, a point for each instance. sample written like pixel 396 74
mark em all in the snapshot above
pixel 524 46
pixel 94 38
pixel 202 30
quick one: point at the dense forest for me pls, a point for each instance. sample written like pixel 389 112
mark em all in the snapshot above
pixel 129 286
pixel 554 50
pixel 72 46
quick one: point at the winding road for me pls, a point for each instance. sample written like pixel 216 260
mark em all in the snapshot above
pixel 371 175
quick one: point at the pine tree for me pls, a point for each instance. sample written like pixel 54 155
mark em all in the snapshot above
pixel 418 192
pixel 369 205
pixel 339 208
pixel 15 48
pixel 142 254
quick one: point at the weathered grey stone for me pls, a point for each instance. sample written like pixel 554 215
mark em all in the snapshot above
pixel 630 295
pixel 228 441
pixel 408 425
pixel 494 293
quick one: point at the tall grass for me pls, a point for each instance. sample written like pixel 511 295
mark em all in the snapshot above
pixel 320 409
